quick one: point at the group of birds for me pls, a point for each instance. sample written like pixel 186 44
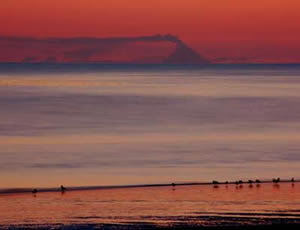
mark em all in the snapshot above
pixel 237 182
pixel 214 182
pixel 274 180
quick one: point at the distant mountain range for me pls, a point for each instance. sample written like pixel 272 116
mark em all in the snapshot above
pixel 156 49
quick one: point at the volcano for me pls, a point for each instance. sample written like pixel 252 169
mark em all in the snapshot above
pixel 155 49
pixel 183 54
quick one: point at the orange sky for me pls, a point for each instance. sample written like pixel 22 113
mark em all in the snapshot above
pixel 222 30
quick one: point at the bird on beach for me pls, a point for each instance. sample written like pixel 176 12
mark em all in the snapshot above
pixel 215 182
pixel 34 191
pixel 250 181
pixel 293 180
pixel 276 181
pixel 173 184
pixel 62 188
pixel 257 181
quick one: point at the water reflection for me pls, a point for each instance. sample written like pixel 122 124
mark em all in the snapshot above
pixel 276 186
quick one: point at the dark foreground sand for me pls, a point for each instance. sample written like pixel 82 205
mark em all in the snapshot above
pixel 151 227
pixel 217 223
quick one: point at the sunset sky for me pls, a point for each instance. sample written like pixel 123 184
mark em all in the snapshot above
pixel 220 30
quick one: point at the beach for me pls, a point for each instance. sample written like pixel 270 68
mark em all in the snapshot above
pixel 255 206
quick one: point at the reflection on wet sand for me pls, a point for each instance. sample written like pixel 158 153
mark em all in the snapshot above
pixel 194 205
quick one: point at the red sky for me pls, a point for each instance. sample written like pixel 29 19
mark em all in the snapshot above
pixel 221 30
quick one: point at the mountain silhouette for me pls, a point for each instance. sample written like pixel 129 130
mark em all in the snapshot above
pixel 183 54
pixel 156 49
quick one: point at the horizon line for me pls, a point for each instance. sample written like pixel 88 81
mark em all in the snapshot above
pixel 162 64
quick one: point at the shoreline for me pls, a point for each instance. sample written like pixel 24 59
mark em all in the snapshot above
pixel 104 187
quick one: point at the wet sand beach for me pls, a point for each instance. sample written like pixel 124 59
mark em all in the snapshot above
pixel 245 206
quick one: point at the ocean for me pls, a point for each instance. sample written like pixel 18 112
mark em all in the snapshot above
pixel 90 124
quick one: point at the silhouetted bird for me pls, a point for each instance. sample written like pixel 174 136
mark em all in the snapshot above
pixel 173 184
pixel 293 180
pixel 62 188
pixel 34 191
pixel 226 182
pixel 236 182
pixel 215 182
pixel 257 181
pixel 241 182
pixel 250 181
pixel 276 181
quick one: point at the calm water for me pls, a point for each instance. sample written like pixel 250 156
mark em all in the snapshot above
pixel 187 205
pixel 147 125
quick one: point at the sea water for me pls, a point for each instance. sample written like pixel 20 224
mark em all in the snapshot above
pixel 82 125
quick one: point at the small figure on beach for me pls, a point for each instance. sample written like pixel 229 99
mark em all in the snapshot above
pixel 250 181
pixel 293 180
pixel 62 188
pixel 34 191
pixel 257 181
pixel 173 184
pixel 276 181
pixel 226 182
pixel 241 182
pixel 215 182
